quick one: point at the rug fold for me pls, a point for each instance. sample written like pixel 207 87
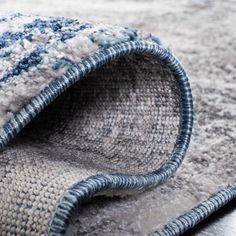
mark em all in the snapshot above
pixel 85 110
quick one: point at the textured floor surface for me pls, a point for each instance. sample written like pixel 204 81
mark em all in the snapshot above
pixel 202 34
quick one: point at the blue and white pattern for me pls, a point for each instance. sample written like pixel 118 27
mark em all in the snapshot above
pixel 43 56
pixel 45 48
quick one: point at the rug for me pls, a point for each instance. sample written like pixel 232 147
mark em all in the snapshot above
pixel 121 124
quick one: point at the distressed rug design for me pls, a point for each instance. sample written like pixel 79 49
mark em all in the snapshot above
pixel 87 110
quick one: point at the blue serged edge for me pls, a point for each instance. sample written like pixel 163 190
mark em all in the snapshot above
pixel 199 213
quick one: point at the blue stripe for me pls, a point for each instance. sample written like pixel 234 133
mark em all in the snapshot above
pixel 33 59
pixel 7 38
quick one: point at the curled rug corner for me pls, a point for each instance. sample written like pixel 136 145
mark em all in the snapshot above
pixel 85 110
